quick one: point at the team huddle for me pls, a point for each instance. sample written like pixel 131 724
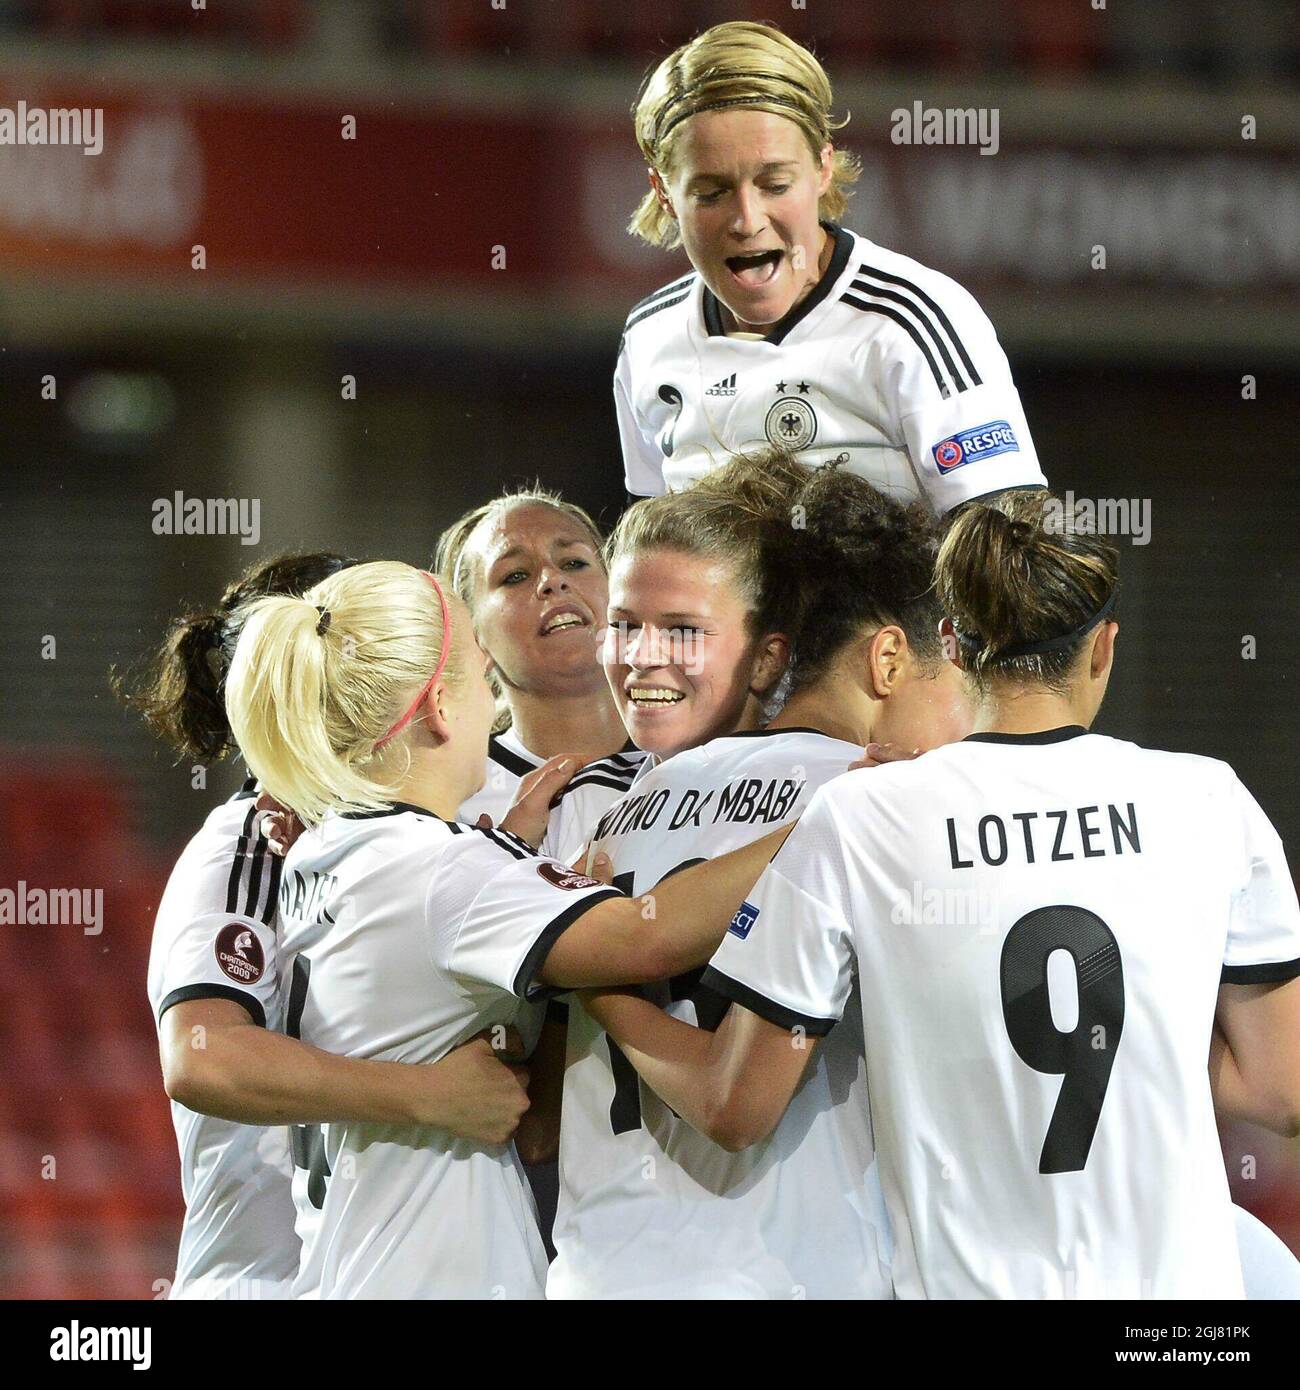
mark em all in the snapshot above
pixel 756 860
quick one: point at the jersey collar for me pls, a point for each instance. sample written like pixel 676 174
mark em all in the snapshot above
pixel 839 259
pixel 776 733
pixel 1061 735
pixel 395 808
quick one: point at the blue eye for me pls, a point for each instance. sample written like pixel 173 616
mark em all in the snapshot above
pixel 579 564
pixel 515 576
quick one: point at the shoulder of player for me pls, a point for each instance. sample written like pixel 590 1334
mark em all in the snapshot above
pixel 873 265
pixel 520 764
pixel 922 311
pixel 668 296
pixel 770 751
pixel 225 868
pixel 616 773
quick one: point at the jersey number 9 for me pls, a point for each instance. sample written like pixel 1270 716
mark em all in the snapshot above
pixel 1085 1055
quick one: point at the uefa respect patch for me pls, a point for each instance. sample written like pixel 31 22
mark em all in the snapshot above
pixel 970 446
pixel 743 922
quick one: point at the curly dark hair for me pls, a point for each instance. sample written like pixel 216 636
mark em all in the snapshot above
pixel 178 690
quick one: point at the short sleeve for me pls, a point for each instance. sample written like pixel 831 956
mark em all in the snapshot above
pixel 788 954
pixel 643 464
pixel 1263 943
pixel 955 404
pixel 223 956
pixel 495 909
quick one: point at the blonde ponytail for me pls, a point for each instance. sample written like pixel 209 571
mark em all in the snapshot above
pixel 316 683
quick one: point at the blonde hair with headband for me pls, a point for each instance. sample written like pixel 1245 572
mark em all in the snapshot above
pixel 740 64
pixel 323 690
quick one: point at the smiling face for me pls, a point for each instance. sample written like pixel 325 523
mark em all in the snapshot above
pixel 539 598
pixel 744 187
pixel 679 656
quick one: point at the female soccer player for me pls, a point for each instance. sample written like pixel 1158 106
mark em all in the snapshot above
pixel 234 1081
pixel 791 330
pixel 364 708
pixel 529 566
pixel 1045 916
pixel 650 1207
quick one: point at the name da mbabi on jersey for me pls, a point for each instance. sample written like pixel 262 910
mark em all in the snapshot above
pixel 746 801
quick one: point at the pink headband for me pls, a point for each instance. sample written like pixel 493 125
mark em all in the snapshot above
pixel 437 670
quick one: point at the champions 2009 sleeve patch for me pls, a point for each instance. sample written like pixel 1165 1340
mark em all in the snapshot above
pixel 218 956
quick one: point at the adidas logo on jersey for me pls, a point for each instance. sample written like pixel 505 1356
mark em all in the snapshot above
pixel 725 387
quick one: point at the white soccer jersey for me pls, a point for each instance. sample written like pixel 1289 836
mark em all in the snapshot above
pixel 1039 925
pixel 215 938
pixel 648 1206
pixel 887 366
pixel 406 935
pixel 580 802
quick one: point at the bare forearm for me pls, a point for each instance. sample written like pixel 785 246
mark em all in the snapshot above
pixel 258 1077
pixel 1236 1099
pixel 670 1056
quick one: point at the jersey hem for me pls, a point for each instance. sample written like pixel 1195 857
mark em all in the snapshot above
pixel 1264 973
pixel 764 1007
pixel 523 988
pixel 214 991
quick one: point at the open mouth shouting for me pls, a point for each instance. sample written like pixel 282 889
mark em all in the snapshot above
pixel 564 617
pixel 756 268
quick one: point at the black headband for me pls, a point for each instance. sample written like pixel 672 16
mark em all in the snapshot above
pixel 687 93
pixel 1048 644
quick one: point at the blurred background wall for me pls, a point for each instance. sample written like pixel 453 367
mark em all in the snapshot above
pixel 388 328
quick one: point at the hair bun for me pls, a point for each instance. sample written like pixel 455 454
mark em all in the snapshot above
pixel 1021 534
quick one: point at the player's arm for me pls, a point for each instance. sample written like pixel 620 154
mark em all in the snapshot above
pixel 217 1060
pixel 1255 1070
pixel 1255 1055
pixel 666 932
pixel 951 401
pixel 732 1085
pixel 643 464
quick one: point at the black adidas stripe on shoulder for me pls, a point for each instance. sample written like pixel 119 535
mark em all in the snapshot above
pixel 509 759
pixel 616 771
pixel 676 297
pixel 924 321
pixel 662 293
pixel 249 869
pixel 512 844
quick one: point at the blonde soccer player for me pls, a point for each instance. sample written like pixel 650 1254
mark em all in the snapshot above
pixel 790 329
pixel 235 1081
pixel 530 568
